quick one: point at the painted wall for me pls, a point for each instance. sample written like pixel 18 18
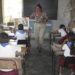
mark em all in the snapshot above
pixel 47 31
pixel 63 15
pixel 1 19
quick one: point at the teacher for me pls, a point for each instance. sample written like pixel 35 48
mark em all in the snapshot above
pixel 40 25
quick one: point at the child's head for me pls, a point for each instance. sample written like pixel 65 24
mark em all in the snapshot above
pixel 71 36
pixel 62 26
pixel 20 27
pixel 4 38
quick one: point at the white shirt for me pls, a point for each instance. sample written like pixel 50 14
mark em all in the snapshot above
pixel 21 36
pixel 9 33
pixel 66 51
pixel 62 32
pixel 73 29
pixel 9 51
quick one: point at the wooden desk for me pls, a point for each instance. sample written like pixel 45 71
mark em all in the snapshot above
pixel 17 61
pixel 55 55
pixel 53 37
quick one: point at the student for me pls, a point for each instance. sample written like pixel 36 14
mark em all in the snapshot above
pixel 63 36
pixel 62 30
pixel 69 58
pixel 21 35
pixel 7 51
pixel 63 33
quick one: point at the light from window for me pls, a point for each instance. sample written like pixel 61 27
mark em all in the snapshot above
pixel 12 9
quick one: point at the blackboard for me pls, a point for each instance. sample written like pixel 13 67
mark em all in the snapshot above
pixel 49 6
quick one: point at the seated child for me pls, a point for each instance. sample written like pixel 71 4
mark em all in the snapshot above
pixel 21 35
pixel 63 33
pixel 7 51
pixel 69 58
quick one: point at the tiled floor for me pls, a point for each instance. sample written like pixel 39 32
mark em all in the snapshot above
pixel 38 63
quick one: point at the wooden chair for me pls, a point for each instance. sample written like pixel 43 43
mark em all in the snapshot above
pixel 54 37
pixel 11 63
pixel 24 51
pixel 59 63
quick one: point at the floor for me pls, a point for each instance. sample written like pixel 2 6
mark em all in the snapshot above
pixel 41 63
pixel 38 63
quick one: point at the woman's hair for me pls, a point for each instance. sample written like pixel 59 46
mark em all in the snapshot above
pixel 4 38
pixel 20 27
pixel 38 5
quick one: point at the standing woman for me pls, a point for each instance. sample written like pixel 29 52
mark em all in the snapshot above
pixel 40 25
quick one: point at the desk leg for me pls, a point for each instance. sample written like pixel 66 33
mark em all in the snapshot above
pixel 53 63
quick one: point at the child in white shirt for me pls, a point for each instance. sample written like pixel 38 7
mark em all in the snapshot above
pixel 69 58
pixel 7 51
pixel 63 36
pixel 21 35
pixel 63 33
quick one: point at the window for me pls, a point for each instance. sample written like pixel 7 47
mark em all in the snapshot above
pixel 12 9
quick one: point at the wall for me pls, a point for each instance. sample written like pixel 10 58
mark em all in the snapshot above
pixel 49 6
pixel 1 19
pixel 63 18
pixel 8 9
pixel 48 28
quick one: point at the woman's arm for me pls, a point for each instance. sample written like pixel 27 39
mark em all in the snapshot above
pixel 32 16
pixel 44 17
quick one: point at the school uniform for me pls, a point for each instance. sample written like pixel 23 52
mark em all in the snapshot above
pixel 21 36
pixel 69 59
pixel 63 34
pixel 8 51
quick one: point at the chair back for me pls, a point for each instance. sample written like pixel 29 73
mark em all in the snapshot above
pixel 23 50
pixel 10 63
